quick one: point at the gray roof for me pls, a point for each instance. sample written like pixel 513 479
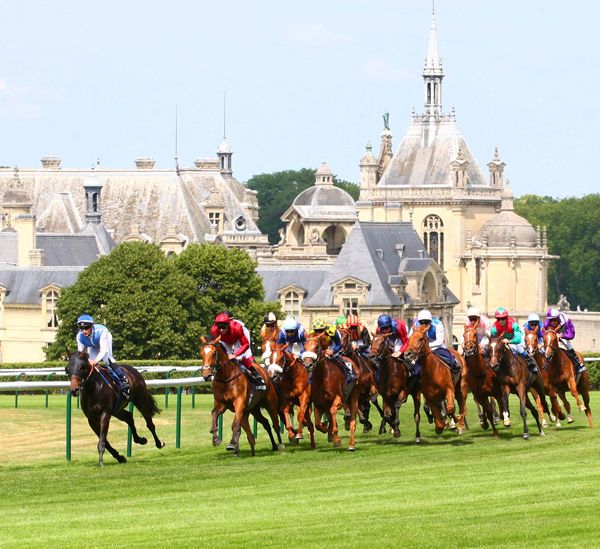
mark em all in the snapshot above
pixel 9 247
pixel 68 249
pixel 324 195
pixel 425 154
pixel 24 284
pixel 276 277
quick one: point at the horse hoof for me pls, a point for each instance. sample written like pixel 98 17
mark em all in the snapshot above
pixel 460 431
pixel 526 436
pixel 485 426
pixel 281 448
pixel 382 430
pixel 299 436
pixel 351 449
pixel 337 443
pixel 570 419
pixel 438 431
pixel 121 459
pixel 216 442
pixel 160 445
pixel 582 408
pixel 418 440
pixel 542 434
pixel 397 433
pixel 558 424
pixel 142 441
pixel 506 423
pixel 544 424
pixel 231 448
pixel 552 418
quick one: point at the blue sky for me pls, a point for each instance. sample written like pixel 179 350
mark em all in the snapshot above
pixel 305 82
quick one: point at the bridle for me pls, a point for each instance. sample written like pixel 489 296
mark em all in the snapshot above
pixel 215 367
pixel 552 344
pixel 413 352
pixel 82 379
pixel 316 356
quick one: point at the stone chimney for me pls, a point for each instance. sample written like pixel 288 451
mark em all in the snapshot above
pixel 144 163
pixel 51 162
pixel 93 210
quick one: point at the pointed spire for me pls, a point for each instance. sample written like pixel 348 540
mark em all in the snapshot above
pixel 433 62
pixel 433 74
pixel 507 198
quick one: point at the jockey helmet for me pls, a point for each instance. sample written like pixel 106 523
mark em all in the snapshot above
pixel 319 324
pixel 331 330
pixel 353 320
pixel 270 319
pixel 222 318
pixel 340 320
pixel 84 321
pixel 533 317
pixel 552 313
pixel 290 324
pixel 424 314
pixel 384 321
pixel 473 312
pixel 501 312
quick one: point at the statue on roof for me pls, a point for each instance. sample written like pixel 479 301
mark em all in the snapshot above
pixel 386 120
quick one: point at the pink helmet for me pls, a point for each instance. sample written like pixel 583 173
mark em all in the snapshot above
pixel 552 313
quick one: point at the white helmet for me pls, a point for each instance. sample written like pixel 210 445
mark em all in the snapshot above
pixel 533 317
pixel 473 311
pixel 290 324
pixel 424 314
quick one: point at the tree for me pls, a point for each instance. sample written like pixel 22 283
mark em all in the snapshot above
pixel 143 299
pixel 277 191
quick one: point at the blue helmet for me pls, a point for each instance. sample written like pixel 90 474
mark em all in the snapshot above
pixel 290 324
pixel 85 320
pixel 384 321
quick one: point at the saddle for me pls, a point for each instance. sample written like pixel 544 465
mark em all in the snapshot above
pixel 120 384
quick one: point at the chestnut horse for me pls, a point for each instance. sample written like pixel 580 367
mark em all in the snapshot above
pixel 328 391
pixel 437 384
pixel 513 377
pixel 100 400
pixel 561 375
pixel 481 379
pixel 394 386
pixel 292 381
pixel 232 391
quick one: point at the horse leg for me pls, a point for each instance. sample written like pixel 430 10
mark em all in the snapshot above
pixel 353 411
pixel 245 424
pixel 285 416
pixel 566 404
pixel 584 390
pixel 318 423
pixel 304 401
pixel 333 427
pixel 127 417
pixel 100 427
pixel 257 413
pixel 534 413
pixel 417 417
pixel 481 414
pixel 236 425
pixel 271 406
pixel 540 407
pixel 218 409
pixel 436 412
pixel 387 416
pixel 575 393
pixel 310 426
pixel 505 414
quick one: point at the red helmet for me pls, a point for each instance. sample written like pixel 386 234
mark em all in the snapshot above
pixel 222 318
pixel 353 320
pixel 501 312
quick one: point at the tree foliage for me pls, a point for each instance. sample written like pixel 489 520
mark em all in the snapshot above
pixel 277 191
pixel 157 307
pixel 573 226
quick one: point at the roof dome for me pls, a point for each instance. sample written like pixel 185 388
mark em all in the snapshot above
pixel 324 193
pixel 224 147
pixel 506 226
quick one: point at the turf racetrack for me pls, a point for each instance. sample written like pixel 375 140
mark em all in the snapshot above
pixel 468 491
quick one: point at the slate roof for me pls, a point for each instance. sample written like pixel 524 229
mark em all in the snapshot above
pixel 24 283
pixel 68 249
pixel 276 277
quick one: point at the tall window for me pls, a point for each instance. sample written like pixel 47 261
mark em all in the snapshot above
pixel 51 318
pixel 433 238
pixel 350 306
pixel 291 304
pixel 477 271
pixel 214 218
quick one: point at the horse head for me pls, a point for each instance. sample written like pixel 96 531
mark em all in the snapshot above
pixel 380 347
pixel 278 359
pixel 417 343
pixel 470 341
pixel 78 369
pixel 497 352
pixel 550 343
pixel 531 342
pixel 313 350
pixel 213 356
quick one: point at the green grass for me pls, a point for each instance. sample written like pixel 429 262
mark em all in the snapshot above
pixel 468 491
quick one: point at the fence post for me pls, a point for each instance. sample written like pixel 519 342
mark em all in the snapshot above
pixel 167 389
pixel 194 389
pixel 129 433
pixel 68 434
pixel 48 378
pixel 220 426
pixel 178 419
pixel 255 428
pixel 18 378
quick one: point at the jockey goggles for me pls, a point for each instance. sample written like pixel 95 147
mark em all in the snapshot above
pixel 84 326
pixel 222 325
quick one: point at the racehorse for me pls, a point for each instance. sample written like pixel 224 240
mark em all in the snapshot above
pixel 232 391
pixel 368 393
pixel 292 381
pixel 394 386
pixel 481 379
pixel 100 400
pixel 513 377
pixel 437 384
pixel 561 375
pixel 328 391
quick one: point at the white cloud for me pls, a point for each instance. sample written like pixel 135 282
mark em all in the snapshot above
pixel 316 35
pixel 383 71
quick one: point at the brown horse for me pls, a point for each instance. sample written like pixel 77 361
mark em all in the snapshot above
pixel 394 386
pixel 561 375
pixel 100 400
pixel 368 393
pixel 292 380
pixel 232 391
pixel 437 384
pixel 329 392
pixel 513 377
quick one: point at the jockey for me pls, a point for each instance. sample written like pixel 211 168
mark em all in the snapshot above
pixel 360 338
pixel 235 338
pixel 293 334
pixel 96 340
pixel 396 332
pixel 563 326
pixel 436 335
pixel 533 325
pixel 482 325
pixel 507 329
pixel 269 329
pixel 334 346
pixel 340 322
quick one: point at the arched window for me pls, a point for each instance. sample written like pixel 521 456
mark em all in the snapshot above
pixel 51 301
pixel 291 304
pixel 433 238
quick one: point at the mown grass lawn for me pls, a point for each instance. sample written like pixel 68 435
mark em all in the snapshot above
pixel 468 491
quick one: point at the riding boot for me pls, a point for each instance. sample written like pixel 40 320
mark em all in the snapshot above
pixel 256 379
pixel 122 381
pixel 579 366
pixel 349 376
pixel 455 367
pixel 531 363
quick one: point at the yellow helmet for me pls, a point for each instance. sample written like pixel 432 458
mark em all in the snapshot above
pixel 319 324
pixel 331 329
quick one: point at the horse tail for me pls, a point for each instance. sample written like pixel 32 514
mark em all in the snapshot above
pixel 153 406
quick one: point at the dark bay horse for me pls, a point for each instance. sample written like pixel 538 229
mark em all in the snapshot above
pixel 232 391
pixel 481 379
pixel 328 391
pixel 394 386
pixel 100 400
pixel 293 386
pixel 561 375
pixel 513 377
pixel 437 384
